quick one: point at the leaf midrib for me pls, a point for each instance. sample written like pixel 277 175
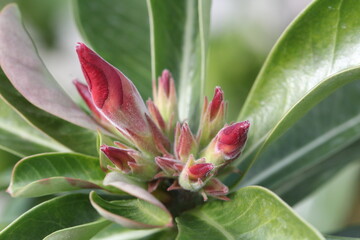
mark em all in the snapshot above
pixel 201 215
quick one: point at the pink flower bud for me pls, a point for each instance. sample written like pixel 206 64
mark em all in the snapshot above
pixel 86 96
pixel 112 93
pixel 231 139
pixel 227 144
pixel 156 116
pixel 216 103
pixel 98 117
pixel 212 117
pixel 185 143
pixel 196 174
pixel 200 170
pixel 120 157
pixel 165 100
pixel 171 167
pixel 131 162
pixel 216 189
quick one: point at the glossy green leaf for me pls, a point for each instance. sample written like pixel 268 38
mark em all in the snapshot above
pixel 80 232
pixel 115 231
pixel 252 213
pixel 7 162
pixel 50 173
pixel 179 31
pixel 119 31
pixel 314 149
pixel 132 187
pixel 20 138
pixel 317 54
pixel 50 216
pixel 76 138
pixel 131 213
pixel 103 160
pixel 26 71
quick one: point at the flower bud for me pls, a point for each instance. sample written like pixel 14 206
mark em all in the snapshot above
pixel 195 174
pixel 155 115
pixel 227 144
pixel 216 189
pixel 165 99
pixel 170 167
pixel 130 162
pixel 212 117
pixel 117 99
pixel 185 143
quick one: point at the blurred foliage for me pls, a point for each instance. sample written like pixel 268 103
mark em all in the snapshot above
pixel 232 62
pixel 42 15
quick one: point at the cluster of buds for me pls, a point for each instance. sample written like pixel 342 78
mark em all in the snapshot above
pixel 156 145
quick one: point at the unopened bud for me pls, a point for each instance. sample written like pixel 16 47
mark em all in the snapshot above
pixel 227 144
pixel 216 189
pixel 116 97
pixel 185 142
pixel 195 174
pixel 165 100
pixel 170 167
pixel 212 117
pixel 130 162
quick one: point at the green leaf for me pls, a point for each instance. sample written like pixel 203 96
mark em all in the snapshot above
pixel 115 231
pixel 19 137
pixel 76 138
pixel 50 216
pixel 252 213
pixel 26 71
pixel 133 213
pixel 179 31
pixel 317 54
pixel 7 162
pixel 296 164
pixel 132 187
pixel 50 173
pixel 80 232
pixel 328 237
pixel 119 31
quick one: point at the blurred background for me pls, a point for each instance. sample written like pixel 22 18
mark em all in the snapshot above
pixel 242 32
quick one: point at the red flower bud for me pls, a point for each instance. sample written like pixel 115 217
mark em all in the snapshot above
pixel 120 157
pixel 212 117
pixel 216 103
pixel 185 143
pixel 86 96
pixel 231 139
pixel 171 167
pixel 156 116
pixel 164 82
pixel 113 94
pixel 216 189
pixel 196 174
pixel 200 170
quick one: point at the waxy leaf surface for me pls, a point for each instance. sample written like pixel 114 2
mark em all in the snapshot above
pixel 314 149
pixel 252 213
pixel 71 136
pixel 131 213
pixel 318 53
pixel 50 173
pixel 50 216
pixel 19 137
pixel 26 71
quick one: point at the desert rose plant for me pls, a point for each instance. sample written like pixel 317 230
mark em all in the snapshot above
pixel 173 166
